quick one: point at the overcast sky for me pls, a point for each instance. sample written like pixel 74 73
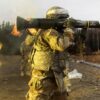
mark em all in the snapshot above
pixel 79 9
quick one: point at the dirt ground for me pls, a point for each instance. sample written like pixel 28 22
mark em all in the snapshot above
pixel 14 87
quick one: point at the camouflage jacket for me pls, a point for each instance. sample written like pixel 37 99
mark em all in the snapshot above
pixel 46 45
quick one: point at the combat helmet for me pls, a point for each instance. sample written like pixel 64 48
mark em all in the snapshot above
pixel 57 12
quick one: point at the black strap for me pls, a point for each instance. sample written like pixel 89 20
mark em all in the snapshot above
pixel 34 41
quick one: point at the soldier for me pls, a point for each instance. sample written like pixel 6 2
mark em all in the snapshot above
pixel 25 50
pixel 49 62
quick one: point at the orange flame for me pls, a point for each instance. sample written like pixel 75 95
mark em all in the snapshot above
pixel 15 32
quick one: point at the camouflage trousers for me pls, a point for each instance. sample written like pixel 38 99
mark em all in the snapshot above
pixel 43 88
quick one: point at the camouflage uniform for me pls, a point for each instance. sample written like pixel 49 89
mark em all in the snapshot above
pixel 25 50
pixel 48 65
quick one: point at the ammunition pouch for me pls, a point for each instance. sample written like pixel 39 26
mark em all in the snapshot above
pixel 62 82
pixel 59 81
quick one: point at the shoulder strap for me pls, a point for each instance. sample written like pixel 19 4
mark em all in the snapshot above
pixel 32 52
pixel 38 33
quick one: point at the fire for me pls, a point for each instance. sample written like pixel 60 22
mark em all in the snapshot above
pixel 15 32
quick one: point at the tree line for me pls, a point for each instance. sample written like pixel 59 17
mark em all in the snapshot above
pixel 10 44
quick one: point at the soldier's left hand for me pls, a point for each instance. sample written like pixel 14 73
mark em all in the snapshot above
pixel 69 33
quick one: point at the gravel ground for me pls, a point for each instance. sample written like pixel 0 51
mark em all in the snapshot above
pixel 14 87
